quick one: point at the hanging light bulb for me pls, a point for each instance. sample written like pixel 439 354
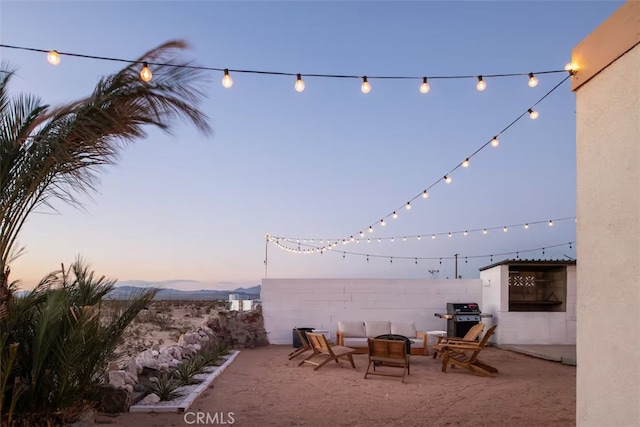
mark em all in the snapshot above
pixel 550 223
pixel 395 215
pixel 392 240
pixel 227 81
pixel 53 57
pixel 465 233
pixel 404 239
pixel 425 194
pixel 495 142
pixel 533 114
pixel 419 237
pixel 481 85
pixel 571 67
pixel 424 87
pixel 533 81
pixel 526 226
pixel 484 231
pixel 145 73
pixel 382 223
pixel 465 164
pixel 433 237
pixel 379 240
pixel 365 87
pixel 370 229
pixel 361 234
pixel 450 235
pixel 408 205
pixel 505 229
pixel 447 179
pixel 299 84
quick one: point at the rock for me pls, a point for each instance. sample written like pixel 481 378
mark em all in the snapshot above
pixel 164 366
pixel 113 366
pixel 110 400
pixel 117 378
pixel 150 399
pixel 155 353
pixel 128 387
pixel 146 359
pixel 134 368
pixel 85 419
pixel 129 379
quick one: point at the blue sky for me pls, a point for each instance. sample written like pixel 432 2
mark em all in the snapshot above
pixel 325 163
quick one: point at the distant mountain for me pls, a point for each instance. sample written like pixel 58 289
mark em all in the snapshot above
pixel 123 292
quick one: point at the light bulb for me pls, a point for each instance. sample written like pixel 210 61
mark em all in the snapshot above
pixel 572 67
pixel 533 81
pixel 495 142
pixel 550 223
pixel 395 215
pixel 433 237
pixel 408 205
pixel 365 87
pixel 361 234
pixel 526 226
pixel 382 223
pixel 481 85
pixel 425 194
pixel 465 164
pixel 379 240
pixel 505 229
pixel 392 240
pixel 533 114
pixel 53 57
pixel 419 237
pixel 299 84
pixel 450 234
pixel 227 81
pixel 465 233
pixel 484 231
pixel 370 229
pixel 145 73
pixel 447 179
pixel 404 239
pixel 424 87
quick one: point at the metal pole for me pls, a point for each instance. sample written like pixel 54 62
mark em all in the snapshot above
pixel 266 254
pixel 456 255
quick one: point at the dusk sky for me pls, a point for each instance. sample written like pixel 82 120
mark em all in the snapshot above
pixel 327 162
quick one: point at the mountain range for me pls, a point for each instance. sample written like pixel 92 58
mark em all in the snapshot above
pixel 123 292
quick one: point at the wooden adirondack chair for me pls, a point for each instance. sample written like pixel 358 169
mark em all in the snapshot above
pixel 471 336
pixel 321 348
pixel 305 345
pixel 466 354
pixel 391 353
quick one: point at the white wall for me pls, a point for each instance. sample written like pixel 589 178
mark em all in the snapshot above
pixel 321 303
pixel 526 327
pixel 608 236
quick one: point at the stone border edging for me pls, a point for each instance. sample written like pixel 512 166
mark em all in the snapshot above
pixel 189 398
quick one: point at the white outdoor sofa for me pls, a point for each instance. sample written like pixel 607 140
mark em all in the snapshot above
pixel 354 334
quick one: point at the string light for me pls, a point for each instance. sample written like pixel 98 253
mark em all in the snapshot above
pixel 425 87
pixel 53 57
pixel 447 179
pixel 495 142
pixel 550 223
pixel 370 229
pixel 415 258
pixel 465 164
pixel 571 67
pixel 481 85
pixel 465 232
pixel 533 114
pixel 408 206
pixel 382 223
pixel 299 86
pixel 365 87
pixel 533 81
pixel 227 81
pixel 425 194
pixel 145 73
pixel 394 215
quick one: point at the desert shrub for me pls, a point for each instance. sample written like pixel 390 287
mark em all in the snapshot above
pixel 186 371
pixel 164 387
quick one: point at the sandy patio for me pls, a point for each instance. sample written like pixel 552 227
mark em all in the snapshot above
pixel 263 388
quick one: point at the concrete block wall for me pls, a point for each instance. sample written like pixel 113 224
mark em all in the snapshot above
pixel 321 303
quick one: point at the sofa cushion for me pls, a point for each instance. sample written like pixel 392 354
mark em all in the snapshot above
pixel 417 343
pixel 355 342
pixel 377 327
pixel 407 329
pixel 351 328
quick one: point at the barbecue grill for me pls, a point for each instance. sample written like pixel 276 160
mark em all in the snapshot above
pixel 460 318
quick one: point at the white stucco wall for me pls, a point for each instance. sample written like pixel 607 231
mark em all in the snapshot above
pixel 321 303
pixel 608 248
pixel 527 327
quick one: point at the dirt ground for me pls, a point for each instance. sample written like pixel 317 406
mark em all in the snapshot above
pixel 263 388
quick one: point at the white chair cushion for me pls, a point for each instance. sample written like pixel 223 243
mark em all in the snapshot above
pixel 355 342
pixel 375 328
pixel 406 329
pixel 351 328
pixel 417 343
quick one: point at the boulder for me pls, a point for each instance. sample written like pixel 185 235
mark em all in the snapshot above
pixel 110 400
pixel 150 399
pixel 117 378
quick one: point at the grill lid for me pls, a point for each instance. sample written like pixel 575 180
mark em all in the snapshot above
pixel 462 308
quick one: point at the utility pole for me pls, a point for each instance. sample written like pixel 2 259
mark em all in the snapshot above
pixel 266 254
pixel 456 255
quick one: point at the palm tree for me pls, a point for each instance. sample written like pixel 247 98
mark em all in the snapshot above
pixel 51 154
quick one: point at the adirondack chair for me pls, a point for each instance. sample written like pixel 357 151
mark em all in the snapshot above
pixel 322 349
pixel 466 354
pixel 392 353
pixel 471 336
pixel 305 345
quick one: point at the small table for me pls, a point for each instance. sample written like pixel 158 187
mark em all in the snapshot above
pixel 433 334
